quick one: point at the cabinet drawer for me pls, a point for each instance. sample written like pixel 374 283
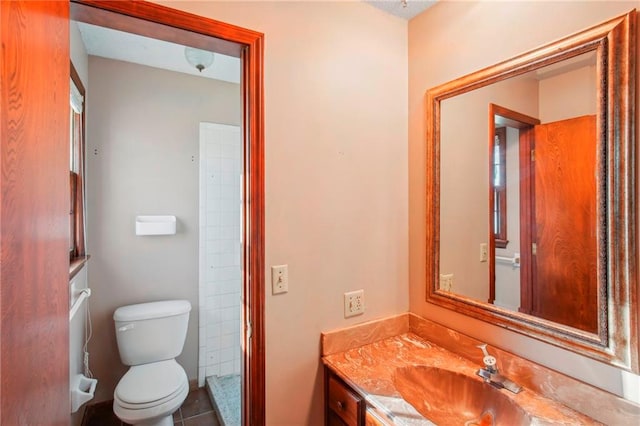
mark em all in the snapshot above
pixel 343 402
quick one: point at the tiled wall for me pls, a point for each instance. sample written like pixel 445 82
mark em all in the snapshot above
pixel 220 250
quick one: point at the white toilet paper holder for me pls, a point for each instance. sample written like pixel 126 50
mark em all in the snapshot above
pixel 82 390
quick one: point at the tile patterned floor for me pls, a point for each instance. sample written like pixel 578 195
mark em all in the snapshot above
pixel 195 411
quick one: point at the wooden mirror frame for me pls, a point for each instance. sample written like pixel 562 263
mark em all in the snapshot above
pixel 616 341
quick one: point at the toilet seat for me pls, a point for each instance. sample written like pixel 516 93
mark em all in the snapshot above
pixel 149 385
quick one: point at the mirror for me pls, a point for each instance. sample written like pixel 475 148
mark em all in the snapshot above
pixel 552 113
pixel 531 176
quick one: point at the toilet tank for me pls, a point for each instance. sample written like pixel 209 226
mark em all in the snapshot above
pixel 150 332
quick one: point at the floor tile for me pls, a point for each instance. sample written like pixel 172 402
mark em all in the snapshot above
pixel 177 417
pixel 207 419
pixel 197 402
pixel 101 414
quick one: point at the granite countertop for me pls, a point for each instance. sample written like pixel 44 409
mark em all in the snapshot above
pixel 370 370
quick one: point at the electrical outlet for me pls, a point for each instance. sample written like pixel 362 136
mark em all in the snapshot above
pixel 353 303
pixel 279 279
pixel 484 252
pixel 446 282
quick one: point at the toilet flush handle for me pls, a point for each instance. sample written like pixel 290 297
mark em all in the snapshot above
pixel 126 327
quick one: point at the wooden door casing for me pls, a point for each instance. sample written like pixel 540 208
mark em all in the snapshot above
pixel 161 22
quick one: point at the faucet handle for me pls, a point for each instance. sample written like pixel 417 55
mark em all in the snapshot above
pixel 489 360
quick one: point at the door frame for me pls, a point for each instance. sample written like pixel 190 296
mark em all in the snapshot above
pixel 524 124
pixel 161 22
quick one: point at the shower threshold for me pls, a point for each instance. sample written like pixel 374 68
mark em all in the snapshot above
pixel 224 392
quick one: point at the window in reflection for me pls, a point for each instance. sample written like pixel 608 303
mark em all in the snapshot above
pixel 500 187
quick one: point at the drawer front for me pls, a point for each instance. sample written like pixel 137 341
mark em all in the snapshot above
pixel 334 419
pixel 343 402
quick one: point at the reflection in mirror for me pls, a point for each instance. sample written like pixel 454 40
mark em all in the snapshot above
pixel 548 115
pixel 531 176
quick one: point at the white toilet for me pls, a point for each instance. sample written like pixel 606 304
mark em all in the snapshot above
pixel 150 336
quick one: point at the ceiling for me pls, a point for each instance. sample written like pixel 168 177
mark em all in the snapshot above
pixel 122 46
pixel 397 8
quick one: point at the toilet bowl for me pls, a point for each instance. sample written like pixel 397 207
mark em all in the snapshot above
pixel 150 336
pixel 148 393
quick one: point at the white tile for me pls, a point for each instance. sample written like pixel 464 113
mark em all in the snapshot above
pixel 236 309
pixel 230 179
pixel 230 286
pixel 213 260
pixel 228 327
pixel 214 343
pixel 227 341
pixel 226 355
pixel 201 376
pixel 216 247
pixel 214 357
pixel 214 330
pixel 213 370
pixel 211 289
pixel 229 218
pixel 229 193
pixel 229 300
pixel 213 232
pixel 227 314
pixel 211 302
pixel 210 274
pixel 214 197
pixel 215 218
pixel 227 259
pixel 202 353
pixel 213 316
pixel 226 368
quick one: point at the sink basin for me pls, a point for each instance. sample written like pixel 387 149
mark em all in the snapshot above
pixel 449 398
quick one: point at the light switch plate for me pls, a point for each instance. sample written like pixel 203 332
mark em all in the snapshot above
pixel 279 279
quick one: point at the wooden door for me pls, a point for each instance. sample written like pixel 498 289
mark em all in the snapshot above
pixel 34 203
pixel 564 237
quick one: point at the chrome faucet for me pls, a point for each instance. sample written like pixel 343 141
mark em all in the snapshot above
pixel 490 373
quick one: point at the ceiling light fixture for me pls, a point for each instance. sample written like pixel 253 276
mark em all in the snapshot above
pixel 404 3
pixel 198 58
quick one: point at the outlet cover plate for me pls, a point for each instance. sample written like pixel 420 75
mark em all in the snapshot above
pixel 446 282
pixel 353 303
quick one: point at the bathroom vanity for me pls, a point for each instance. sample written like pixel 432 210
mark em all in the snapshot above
pixel 406 370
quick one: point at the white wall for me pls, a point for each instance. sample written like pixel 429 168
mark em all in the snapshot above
pixel 142 159
pixel 577 89
pixel 336 178
pixel 464 188
pixel 453 39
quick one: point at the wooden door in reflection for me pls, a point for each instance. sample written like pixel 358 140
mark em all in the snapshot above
pixel 564 232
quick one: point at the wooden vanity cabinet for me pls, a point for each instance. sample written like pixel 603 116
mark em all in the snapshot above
pixel 343 406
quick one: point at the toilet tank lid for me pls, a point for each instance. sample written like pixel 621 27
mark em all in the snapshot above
pixel 143 311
